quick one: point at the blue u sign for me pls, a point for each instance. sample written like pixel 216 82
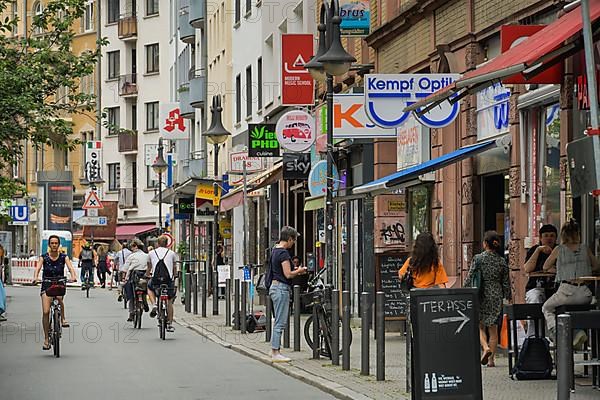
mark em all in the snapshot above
pixel 386 96
pixel 19 214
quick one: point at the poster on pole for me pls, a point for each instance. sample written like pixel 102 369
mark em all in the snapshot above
pixel 93 160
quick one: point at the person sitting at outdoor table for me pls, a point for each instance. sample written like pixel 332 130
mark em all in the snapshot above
pixel 570 260
pixel 534 262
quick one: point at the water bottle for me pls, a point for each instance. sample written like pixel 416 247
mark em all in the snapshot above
pixel 434 386
pixel 427 386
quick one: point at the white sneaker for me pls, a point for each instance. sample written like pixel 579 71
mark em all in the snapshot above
pixel 579 339
pixel 280 358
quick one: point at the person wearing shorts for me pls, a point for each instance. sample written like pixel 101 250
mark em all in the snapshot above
pixel 162 253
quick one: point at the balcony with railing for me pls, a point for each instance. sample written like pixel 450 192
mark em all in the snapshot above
pixel 197 13
pixel 128 85
pixel 127 198
pixel 185 108
pixel 128 27
pixel 128 142
pixel 197 88
pixel 187 33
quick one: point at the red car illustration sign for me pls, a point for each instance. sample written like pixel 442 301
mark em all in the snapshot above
pixel 296 131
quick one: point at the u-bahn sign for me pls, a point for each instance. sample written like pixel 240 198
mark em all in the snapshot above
pixel 386 95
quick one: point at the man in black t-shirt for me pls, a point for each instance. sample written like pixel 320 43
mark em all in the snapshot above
pixel 535 290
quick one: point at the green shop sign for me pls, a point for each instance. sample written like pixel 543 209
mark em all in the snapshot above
pixel 263 140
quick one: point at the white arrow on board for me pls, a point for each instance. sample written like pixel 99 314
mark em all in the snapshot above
pixel 463 318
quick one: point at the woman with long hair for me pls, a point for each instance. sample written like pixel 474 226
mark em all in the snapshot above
pixel 424 264
pixel 496 286
pixel 102 267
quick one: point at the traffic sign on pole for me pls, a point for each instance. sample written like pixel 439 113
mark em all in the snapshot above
pixel 92 221
pixel 92 201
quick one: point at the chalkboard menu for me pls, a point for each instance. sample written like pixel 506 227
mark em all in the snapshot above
pixel 445 325
pixel 389 283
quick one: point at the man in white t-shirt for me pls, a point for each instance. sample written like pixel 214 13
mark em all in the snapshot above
pixel 162 253
pixel 120 260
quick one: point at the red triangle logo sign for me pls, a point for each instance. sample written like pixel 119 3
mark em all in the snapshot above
pixel 92 201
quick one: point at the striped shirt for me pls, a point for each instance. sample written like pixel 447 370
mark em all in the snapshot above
pixel 571 264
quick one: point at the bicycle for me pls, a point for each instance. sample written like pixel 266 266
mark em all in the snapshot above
pixel 140 288
pixel 57 288
pixel 88 280
pixel 323 305
pixel 163 303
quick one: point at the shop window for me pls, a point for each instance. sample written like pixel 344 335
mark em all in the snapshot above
pixel 551 167
pixel 419 210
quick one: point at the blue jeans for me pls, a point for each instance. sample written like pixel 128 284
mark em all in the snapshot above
pixel 280 295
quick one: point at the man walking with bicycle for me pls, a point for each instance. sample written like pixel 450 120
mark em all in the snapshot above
pixel 280 274
pixel 162 269
pixel 53 265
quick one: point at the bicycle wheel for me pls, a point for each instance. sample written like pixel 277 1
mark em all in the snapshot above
pixel 139 311
pixel 56 332
pixel 163 321
pixel 308 333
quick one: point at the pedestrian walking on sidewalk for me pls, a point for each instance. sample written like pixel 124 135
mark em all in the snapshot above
pixel 496 286
pixel 278 281
pixel 102 268
pixel 424 264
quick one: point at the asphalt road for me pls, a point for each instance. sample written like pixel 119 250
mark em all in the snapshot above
pixel 102 356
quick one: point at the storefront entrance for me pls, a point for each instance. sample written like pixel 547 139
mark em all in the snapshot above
pixel 495 206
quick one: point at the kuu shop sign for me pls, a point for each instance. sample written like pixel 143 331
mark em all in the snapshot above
pixel 386 96
pixel 263 141
pixel 351 122
pixel 296 131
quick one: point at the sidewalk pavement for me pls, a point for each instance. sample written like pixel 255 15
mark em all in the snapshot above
pixel 497 385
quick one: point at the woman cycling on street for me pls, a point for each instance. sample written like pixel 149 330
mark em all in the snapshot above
pixel 53 265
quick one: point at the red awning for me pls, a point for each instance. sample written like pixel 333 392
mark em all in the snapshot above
pixel 126 232
pixel 528 58
pixel 230 202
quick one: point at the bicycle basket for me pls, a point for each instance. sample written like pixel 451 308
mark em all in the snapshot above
pixel 141 284
pixel 56 289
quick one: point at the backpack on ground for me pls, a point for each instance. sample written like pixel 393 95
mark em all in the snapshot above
pixel 161 272
pixel 535 361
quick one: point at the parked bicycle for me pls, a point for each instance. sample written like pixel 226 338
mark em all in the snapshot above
pixel 323 292
pixel 163 303
pixel 57 288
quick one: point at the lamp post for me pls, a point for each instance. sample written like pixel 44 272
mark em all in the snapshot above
pixel 160 166
pixel 331 60
pixel 216 135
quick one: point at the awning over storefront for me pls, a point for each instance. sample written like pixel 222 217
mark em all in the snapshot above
pixel 235 197
pixel 185 189
pixel 127 232
pixel 411 174
pixel 529 58
pixel 314 203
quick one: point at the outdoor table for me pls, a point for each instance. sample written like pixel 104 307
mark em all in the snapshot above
pixel 596 280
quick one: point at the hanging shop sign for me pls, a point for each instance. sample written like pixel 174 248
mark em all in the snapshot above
pixel 296 166
pixel 317 179
pixel 238 159
pixel 412 144
pixel 386 95
pixel 296 131
pixel 297 83
pixel 492 111
pixel 356 17
pixel 350 120
pixel 225 228
pixel 206 191
pixel 93 161
pixel 205 210
pixel 171 124
pixel 263 141
pixel 511 36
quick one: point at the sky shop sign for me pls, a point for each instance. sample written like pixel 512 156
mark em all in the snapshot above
pixel 386 95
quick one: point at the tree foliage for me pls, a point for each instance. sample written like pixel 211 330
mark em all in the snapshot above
pixel 36 69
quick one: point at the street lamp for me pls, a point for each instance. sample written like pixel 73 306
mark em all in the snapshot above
pixel 216 135
pixel 160 166
pixel 331 60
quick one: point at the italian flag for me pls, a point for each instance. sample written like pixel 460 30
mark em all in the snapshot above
pixel 94 145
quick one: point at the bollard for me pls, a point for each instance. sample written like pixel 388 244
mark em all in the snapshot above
pixel 315 328
pixel 215 296
pixel 242 314
pixel 346 330
pixel 195 292
pixel 408 373
pixel 236 301
pixel 335 327
pixel 203 282
pixel 296 317
pixel 268 317
pixel 380 334
pixel 564 360
pixel 286 332
pixel 188 292
pixel 364 336
pixel 228 302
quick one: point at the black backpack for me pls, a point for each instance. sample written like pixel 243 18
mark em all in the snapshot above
pixel 161 273
pixel 535 361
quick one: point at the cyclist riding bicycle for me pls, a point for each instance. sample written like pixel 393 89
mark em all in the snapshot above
pixel 87 260
pixel 120 259
pixel 163 271
pixel 53 265
pixel 135 267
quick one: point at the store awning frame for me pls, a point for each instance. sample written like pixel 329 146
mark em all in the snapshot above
pixel 314 203
pixel 529 58
pixel 235 197
pixel 410 175
pixel 185 189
